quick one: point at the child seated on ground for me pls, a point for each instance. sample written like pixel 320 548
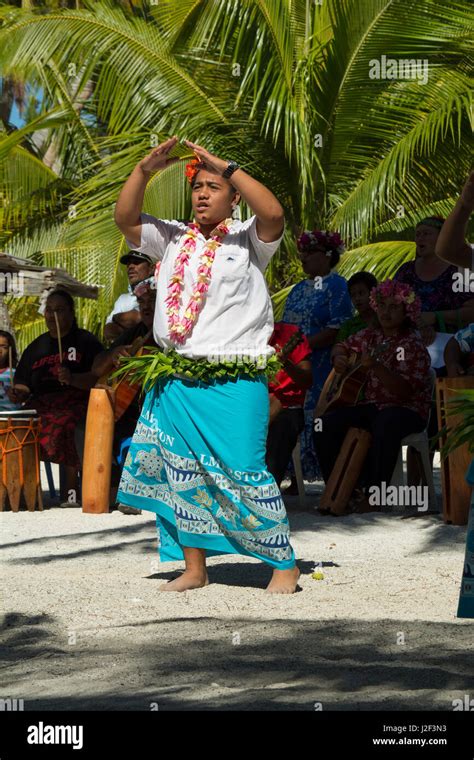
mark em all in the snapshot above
pixel 7 373
pixel 359 287
pixel 459 352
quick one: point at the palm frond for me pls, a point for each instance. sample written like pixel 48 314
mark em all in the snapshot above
pixel 461 433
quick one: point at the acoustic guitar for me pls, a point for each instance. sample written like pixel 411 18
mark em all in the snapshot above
pixel 290 345
pixel 343 388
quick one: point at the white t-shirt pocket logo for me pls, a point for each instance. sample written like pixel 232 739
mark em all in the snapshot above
pixel 229 265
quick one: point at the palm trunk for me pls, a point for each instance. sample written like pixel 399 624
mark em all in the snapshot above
pixel 51 157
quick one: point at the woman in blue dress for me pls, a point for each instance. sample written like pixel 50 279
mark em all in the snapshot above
pixel 318 305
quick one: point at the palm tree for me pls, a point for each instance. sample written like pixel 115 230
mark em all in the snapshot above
pixel 284 85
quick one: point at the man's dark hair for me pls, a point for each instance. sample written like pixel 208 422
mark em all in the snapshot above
pixel 66 297
pixel 362 278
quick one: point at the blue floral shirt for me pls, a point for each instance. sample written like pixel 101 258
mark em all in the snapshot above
pixel 315 305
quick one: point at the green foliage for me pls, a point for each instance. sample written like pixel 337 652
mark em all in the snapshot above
pixel 463 432
pixel 156 365
pixel 281 85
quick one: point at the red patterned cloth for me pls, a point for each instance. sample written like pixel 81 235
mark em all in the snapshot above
pixel 60 412
pixel 404 354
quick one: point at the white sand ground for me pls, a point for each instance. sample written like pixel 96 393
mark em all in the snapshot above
pixel 86 627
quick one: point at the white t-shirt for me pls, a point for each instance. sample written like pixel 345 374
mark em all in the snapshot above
pixel 125 302
pixel 236 317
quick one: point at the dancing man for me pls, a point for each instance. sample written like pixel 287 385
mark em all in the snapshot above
pixel 197 457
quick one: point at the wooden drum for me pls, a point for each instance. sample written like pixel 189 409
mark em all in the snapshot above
pixel 346 471
pixel 20 477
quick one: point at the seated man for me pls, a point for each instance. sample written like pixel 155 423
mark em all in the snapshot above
pixel 459 353
pixel 124 314
pixel 54 377
pixel 359 287
pixel 107 362
pixel 287 395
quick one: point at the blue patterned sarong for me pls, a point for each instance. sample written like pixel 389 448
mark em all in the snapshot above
pixel 197 460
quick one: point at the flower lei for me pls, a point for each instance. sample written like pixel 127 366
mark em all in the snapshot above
pixel 400 292
pixel 330 240
pixel 179 328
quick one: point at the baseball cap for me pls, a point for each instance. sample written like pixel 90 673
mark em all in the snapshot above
pixel 135 255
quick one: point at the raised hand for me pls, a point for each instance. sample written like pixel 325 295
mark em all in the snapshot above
pixel 467 193
pixel 159 157
pixel 213 162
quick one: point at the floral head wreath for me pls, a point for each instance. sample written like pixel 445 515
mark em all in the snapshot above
pixel 401 293
pixel 331 241
pixel 192 169
pixel 143 286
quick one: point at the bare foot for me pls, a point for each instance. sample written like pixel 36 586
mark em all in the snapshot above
pixel 283 581
pixel 186 581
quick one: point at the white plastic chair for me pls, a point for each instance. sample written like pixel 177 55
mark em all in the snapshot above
pixel 420 443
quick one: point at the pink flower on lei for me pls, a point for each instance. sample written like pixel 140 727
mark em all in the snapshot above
pixel 180 328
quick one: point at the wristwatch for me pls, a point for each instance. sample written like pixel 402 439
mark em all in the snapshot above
pixel 231 168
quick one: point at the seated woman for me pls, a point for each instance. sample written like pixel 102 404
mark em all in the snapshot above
pixel 397 390
pixel 7 372
pixel 58 386
pixel 318 305
pixel 444 309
